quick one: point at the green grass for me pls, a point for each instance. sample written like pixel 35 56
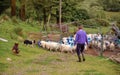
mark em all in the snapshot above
pixel 38 61
pixel 103 30
pixel 55 63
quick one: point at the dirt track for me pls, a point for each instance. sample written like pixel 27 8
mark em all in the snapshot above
pixel 106 53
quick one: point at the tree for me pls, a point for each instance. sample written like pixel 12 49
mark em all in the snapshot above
pixel 80 14
pixel 4 4
pixel 110 5
pixel 13 7
pixel 22 10
pixel 44 7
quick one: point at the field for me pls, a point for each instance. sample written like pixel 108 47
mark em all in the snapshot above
pixel 39 61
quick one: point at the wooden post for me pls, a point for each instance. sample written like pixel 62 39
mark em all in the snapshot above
pixel 101 50
pixel 60 5
pixel 13 8
pixel 60 16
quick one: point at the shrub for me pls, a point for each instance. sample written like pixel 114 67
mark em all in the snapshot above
pixel 92 23
pixel 80 14
pixel 89 23
pixel 102 22
pixel 118 24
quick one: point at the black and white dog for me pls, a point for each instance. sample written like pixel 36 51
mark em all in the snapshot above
pixel 28 42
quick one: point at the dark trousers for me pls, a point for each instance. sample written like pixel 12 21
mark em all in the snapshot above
pixel 80 48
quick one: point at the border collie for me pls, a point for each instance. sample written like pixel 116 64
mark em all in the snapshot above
pixel 28 42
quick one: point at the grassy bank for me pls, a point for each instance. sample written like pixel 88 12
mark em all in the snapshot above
pixel 38 61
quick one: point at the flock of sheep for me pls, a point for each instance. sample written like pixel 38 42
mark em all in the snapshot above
pixel 98 41
pixel 67 43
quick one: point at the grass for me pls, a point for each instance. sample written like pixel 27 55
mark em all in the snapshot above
pixel 103 30
pixel 38 61
pixel 56 63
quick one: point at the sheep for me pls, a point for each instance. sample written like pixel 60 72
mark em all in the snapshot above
pixel 112 46
pixel 66 48
pixel 64 39
pixel 100 47
pixel 74 48
pixel 95 43
pixel 43 44
pixel 89 37
pixel 47 45
pixel 55 46
pixel 104 47
pixel 86 47
pixel 107 43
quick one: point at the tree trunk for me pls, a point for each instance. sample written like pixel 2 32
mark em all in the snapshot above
pixel 13 7
pixel 22 12
pixel 57 16
pixel 45 19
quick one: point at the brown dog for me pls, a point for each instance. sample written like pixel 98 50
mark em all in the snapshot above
pixel 15 48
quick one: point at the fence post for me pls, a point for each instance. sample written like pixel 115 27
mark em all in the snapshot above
pixel 101 51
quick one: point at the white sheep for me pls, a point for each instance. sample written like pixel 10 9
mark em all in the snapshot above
pixel 66 48
pixel 100 46
pixel 54 46
pixel 112 46
pixel 64 39
pixel 104 47
pixel 43 44
pixel 107 43
pixel 86 47
pixel 74 48
pixel 48 45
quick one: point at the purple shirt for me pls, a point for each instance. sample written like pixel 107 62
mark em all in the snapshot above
pixel 81 37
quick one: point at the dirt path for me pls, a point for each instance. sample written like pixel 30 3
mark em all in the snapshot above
pixel 106 53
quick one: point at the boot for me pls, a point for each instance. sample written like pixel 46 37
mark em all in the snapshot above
pixel 79 59
pixel 83 59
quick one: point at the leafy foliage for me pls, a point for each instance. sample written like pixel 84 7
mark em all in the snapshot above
pixel 4 4
pixel 80 14
pixel 110 5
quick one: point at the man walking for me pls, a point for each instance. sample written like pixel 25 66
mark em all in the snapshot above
pixel 80 40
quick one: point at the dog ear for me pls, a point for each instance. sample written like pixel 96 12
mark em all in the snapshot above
pixel 16 44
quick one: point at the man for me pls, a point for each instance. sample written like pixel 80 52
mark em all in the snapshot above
pixel 80 40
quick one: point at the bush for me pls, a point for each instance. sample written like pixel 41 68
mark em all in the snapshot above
pixel 92 23
pixel 89 23
pixel 102 22
pixel 80 14
pixel 118 24
pixel 110 5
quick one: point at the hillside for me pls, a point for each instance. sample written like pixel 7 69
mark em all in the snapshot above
pixel 39 61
